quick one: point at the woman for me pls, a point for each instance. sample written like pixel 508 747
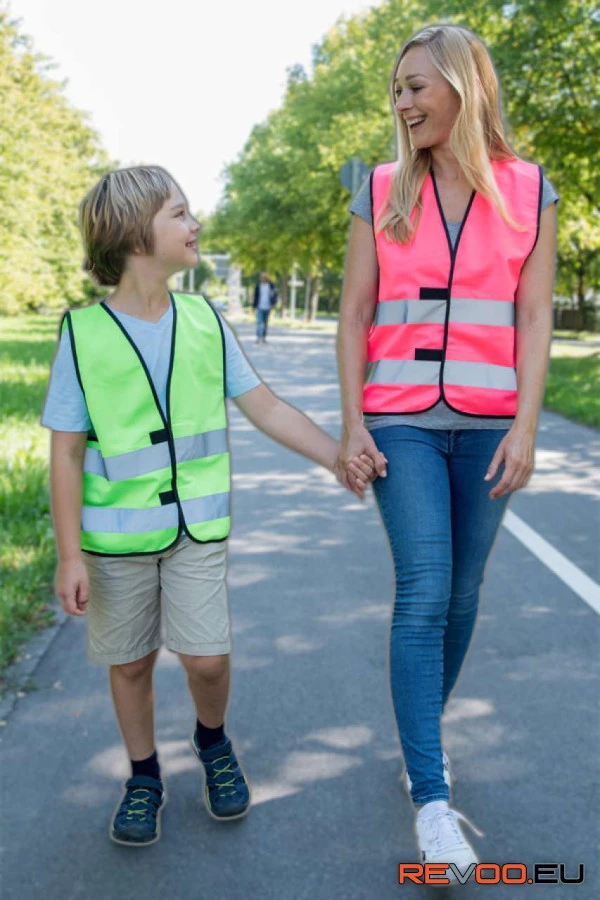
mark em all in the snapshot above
pixel 447 306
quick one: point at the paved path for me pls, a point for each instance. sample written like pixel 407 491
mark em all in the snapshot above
pixel 310 587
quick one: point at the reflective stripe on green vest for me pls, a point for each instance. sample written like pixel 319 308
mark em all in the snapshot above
pixel 148 476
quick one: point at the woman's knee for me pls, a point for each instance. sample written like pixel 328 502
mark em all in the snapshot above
pixel 422 602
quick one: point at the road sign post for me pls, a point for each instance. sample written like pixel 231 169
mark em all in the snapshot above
pixel 293 284
pixel 353 173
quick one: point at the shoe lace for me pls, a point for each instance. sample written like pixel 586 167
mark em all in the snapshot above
pixel 137 807
pixel 443 830
pixel 228 785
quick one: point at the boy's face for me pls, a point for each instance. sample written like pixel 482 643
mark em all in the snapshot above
pixel 176 234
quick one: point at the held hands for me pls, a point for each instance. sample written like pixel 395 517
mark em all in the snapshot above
pixel 72 586
pixel 359 461
pixel 517 451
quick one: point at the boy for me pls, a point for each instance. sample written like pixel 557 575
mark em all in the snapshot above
pixel 140 478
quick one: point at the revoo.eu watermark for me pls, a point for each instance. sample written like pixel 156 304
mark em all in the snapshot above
pixel 489 873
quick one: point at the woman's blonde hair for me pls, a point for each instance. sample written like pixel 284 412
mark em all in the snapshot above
pixel 115 218
pixel 476 137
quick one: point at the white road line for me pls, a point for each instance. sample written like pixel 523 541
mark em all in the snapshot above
pixel 584 586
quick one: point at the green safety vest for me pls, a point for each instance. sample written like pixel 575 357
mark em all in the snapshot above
pixel 149 476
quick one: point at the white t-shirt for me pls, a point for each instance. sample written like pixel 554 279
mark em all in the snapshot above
pixel 264 296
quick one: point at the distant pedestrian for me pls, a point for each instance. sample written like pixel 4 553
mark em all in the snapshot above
pixel 448 300
pixel 265 298
pixel 140 479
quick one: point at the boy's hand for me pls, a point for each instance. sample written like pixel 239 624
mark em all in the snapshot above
pixel 357 446
pixel 72 586
pixel 362 472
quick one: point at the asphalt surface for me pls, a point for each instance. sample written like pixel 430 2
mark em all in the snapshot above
pixel 310 713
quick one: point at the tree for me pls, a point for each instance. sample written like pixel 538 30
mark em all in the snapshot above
pixel 50 157
pixel 284 201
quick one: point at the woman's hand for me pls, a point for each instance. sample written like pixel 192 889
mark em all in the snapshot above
pixel 517 451
pixel 356 442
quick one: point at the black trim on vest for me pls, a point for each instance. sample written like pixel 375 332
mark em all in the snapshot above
pixel 539 212
pixel 373 227
pixel 435 293
pixel 453 253
pixel 453 250
pixel 165 419
pixel 153 552
pixel 167 497
pixel 182 526
pixel 220 324
pixel 159 436
pixel 92 436
pixel 430 355
pixel 67 316
pixel 170 439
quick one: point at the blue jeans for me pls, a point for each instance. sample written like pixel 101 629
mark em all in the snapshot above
pixel 441 525
pixel 262 321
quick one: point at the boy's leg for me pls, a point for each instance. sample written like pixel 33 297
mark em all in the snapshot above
pixel 133 697
pixel 124 634
pixel 198 630
pixel 208 681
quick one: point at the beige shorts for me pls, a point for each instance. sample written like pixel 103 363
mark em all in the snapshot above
pixel 127 593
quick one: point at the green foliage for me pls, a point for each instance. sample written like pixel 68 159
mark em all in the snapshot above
pixel 26 542
pixel 573 388
pixel 283 199
pixel 49 158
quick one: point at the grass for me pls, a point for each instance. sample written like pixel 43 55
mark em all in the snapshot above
pixel 563 335
pixel 573 385
pixel 27 345
pixel 27 554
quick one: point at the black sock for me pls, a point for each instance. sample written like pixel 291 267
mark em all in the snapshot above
pixel 206 737
pixel 149 767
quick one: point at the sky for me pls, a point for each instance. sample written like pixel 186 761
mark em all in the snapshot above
pixel 178 83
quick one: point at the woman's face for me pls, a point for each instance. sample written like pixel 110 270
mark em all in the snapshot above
pixel 426 102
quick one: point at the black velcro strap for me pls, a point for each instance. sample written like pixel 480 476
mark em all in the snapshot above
pixel 166 497
pixel 438 293
pixel 160 436
pixel 431 355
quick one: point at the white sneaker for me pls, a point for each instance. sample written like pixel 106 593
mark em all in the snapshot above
pixel 447 774
pixel 440 838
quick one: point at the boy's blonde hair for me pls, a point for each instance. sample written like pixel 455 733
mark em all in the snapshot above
pixel 476 137
pixel 115 218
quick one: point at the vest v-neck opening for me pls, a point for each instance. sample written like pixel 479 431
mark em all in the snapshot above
pixel 446 222
pixel 160 321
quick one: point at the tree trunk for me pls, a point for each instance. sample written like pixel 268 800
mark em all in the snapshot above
pixel 314 299
pixel 283 294
pixel 307 289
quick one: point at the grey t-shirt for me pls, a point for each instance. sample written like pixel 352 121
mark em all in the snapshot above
pixel 440 415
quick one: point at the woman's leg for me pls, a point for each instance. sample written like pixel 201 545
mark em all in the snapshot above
pixel 414 501
pixel 475 523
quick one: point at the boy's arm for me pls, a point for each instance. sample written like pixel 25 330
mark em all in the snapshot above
pixel 67 450
pixel 288 426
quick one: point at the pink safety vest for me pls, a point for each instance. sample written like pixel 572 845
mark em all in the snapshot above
pixel 444 324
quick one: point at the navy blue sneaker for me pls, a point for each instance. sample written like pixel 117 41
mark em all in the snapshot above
pixel 226 791
pixel 137 820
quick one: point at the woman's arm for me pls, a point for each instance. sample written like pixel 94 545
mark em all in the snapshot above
pixel 67 450
pixel 359 297
pixel 534 333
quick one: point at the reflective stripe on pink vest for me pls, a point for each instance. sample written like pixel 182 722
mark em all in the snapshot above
pixel 444 324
